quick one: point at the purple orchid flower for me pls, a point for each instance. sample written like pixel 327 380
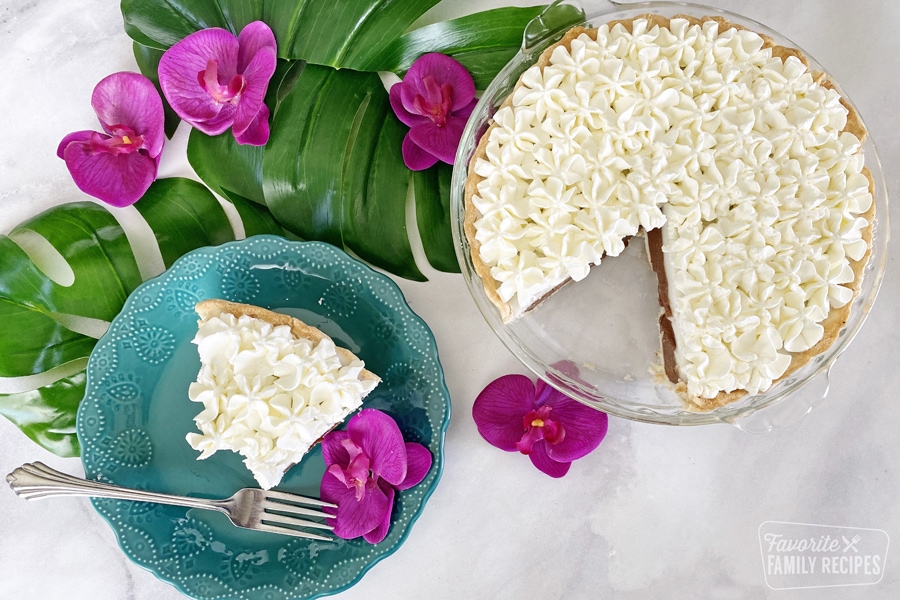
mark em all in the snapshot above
pixel 513 414
pixel 118 166
pixel 214 80
pixel 435 100
pixel 366 465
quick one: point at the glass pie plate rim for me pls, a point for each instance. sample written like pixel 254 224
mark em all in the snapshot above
pixel 785 402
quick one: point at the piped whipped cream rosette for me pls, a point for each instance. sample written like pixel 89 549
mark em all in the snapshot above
pixel 271 387
pixel 748 164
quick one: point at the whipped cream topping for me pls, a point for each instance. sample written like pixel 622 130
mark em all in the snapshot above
pixel 267 395
pixel 738 155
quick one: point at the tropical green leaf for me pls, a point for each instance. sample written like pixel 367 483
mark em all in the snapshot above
pixel 332 169
pixel 343 34
pixel 375 221
pixel 47 415
pixel 93 244
pixel 283 80
pixel 227 167
pixel 148 62
pixel 31 340
pixel 257 219
pixel 160 23
pixel 284 164
pixel 494 34
pixel 34 308
pixel 482 42
pixel 183 215
pixel 338 34
pixel 432 189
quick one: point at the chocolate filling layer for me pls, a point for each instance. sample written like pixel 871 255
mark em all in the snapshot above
pixel 666 333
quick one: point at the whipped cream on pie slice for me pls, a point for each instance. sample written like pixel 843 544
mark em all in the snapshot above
pixel 749 163
pixel 270 385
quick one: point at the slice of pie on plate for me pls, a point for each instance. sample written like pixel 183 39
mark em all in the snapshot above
pixel 271 386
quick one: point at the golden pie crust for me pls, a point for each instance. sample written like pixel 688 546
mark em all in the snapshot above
pixel 208 309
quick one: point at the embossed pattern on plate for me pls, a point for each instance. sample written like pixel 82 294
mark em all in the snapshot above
pixel 135 415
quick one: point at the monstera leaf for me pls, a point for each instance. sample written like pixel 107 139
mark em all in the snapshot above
pixel 332 169
pixel 40 313
pixel 337 34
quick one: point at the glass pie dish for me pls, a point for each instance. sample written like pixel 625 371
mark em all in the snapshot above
pixel 606 325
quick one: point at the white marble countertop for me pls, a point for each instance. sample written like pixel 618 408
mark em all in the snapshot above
pixel 655 512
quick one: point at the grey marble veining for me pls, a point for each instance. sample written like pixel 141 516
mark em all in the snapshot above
pixel 655 513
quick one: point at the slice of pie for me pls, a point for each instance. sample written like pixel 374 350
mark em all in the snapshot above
pixel 271 386
pixel 741 165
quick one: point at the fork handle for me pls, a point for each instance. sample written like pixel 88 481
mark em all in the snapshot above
pixel 36 480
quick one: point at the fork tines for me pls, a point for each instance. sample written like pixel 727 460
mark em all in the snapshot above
pixel 292 504
pixel 296 499
pixel 279 508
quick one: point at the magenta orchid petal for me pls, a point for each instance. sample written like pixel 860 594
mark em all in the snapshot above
pixel 554 432
pixel 414 157
pixel 418 463
pixel 356 474
pixel 380 532
pixel 499 408
pixel 353 517
pixel 545 463
pixel 333 449
pixel 442 70
pixel 257 74
pixel 75 136
pixel 380 438
pixel 215 81
pixel 219 123
pixel 181 64
pixel 257 133
pixel 532 435
pixel 253 38
pixel 131 99
pixel 434 99
pixel 466 111
pixel 538 420
pixel 585 428
pixel 119 165
pixel 407 118
pixel 366 465
pixel 567 368
pixel 543 391
pixel 117 179
pixel 439 141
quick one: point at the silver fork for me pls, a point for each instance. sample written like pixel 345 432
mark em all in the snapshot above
pixel 249 507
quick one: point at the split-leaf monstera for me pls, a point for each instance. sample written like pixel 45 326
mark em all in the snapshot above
pixel 332 169
pixel 40 314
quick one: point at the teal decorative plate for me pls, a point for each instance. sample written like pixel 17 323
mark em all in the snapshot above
pixel 136 413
